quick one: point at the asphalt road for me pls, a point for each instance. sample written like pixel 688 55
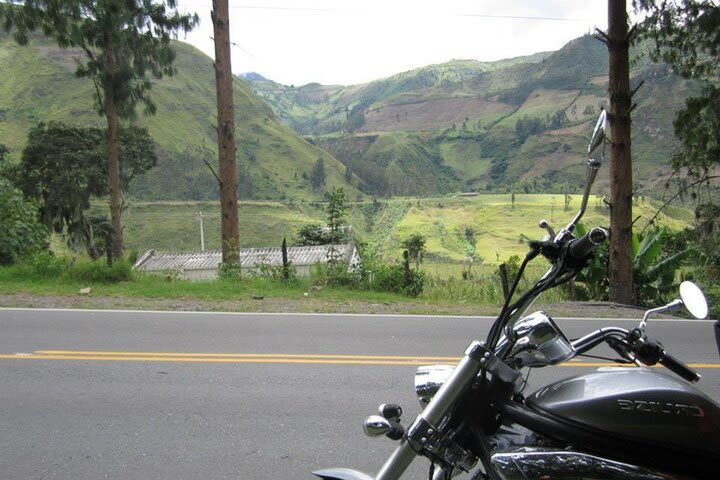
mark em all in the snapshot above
pixel 136 395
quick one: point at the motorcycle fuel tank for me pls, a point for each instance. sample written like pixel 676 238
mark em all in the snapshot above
pixel 641 404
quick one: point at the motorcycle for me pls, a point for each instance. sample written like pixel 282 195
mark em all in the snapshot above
pixel 616 423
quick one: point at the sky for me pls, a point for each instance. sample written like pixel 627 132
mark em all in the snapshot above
pixel 348 42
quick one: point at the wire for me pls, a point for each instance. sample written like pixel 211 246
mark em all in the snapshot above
pixel 352 11
pixel 598 357
pixel 527 379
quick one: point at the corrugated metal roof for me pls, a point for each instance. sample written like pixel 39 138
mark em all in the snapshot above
pixel 249 257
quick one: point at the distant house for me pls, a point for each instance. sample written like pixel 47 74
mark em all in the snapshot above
pixel 204 265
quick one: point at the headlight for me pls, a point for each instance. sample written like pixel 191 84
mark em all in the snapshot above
pixel 429 379
pixel 539 342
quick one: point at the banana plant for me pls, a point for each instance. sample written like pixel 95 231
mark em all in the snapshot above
pixel 654 272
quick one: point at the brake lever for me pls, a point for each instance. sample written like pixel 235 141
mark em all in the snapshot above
pixel 622 348
pixel 544 224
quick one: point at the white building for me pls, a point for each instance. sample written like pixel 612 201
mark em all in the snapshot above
pixel 204 265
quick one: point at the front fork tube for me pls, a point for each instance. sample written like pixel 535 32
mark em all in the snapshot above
pixel 418 433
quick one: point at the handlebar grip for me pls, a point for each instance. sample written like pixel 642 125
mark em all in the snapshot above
pixel 679 367
pixel 584 246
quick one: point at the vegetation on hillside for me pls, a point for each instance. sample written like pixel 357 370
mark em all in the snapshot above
pixel 685 35
pixel 273 162
pixel 63 167
pixel 121 46
pixel 469 126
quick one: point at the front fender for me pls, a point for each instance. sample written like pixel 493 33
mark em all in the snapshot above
pixel 341 474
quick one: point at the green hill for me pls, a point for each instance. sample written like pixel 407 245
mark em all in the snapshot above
pixel 38 84
pixel 498 225
pixel 519 124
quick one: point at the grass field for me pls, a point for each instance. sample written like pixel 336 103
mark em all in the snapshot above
pixel 499 226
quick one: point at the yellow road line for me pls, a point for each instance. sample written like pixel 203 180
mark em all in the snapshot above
pixel 249 355
pixel 269 358
pixel 203 359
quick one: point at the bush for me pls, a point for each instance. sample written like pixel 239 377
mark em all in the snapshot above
pixel 21 233
pixel 397 278
pixel 230 271
pixel 45 264
pixel 276 272
pixel 377 276
pixel 89 272
pixel 338 274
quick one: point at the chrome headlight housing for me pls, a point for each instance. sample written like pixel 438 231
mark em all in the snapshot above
pixel 539 342
pixel 429 379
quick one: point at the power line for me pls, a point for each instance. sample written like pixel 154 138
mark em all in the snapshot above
pixel 356 10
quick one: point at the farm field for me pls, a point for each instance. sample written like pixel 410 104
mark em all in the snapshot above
pixel 490 227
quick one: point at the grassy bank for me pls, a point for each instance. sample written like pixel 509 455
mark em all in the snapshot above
pixel 65 281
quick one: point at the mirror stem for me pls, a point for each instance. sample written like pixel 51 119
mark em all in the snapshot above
pixel 592 170
pixel 674 305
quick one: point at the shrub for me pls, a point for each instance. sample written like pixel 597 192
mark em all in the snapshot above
pixel 89 272
pixel 338 274
pixel 396 278
pixel 21 233
pixel 229 271
pixel 45 264
pixel 276 272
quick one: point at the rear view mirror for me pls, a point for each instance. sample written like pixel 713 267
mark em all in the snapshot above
pixel 693 299
pixel 599 133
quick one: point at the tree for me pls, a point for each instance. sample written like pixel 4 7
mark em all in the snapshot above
pixel 124 42
pixel 336 230
pixel 312 234
pixel 336 214
pixel 415 246
pixel 62 167
pixel 317 177
pixel 559 119
pixel 230 230
pixel 22 232
pixel 618 41
pixel 3 151
pixel 685 34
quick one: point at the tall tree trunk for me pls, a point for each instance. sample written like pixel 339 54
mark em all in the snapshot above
pixel 113 152
pixel 621 279
pixel 226 134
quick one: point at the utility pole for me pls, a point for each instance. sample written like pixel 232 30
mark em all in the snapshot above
pixel 618 41
pixel 226 135
pixel 202 231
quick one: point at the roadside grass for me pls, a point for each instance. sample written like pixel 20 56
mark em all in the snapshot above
pixel 499 226
pixel 121 282
pixel 63 277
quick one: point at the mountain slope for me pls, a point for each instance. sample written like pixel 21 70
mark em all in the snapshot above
pixel 520 124
pixel 38 84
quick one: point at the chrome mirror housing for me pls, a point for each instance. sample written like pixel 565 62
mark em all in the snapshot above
pixel 538 342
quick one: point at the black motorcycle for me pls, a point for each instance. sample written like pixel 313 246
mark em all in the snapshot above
pixel 617 423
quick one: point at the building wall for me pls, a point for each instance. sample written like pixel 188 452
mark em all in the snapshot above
pixel 212 273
